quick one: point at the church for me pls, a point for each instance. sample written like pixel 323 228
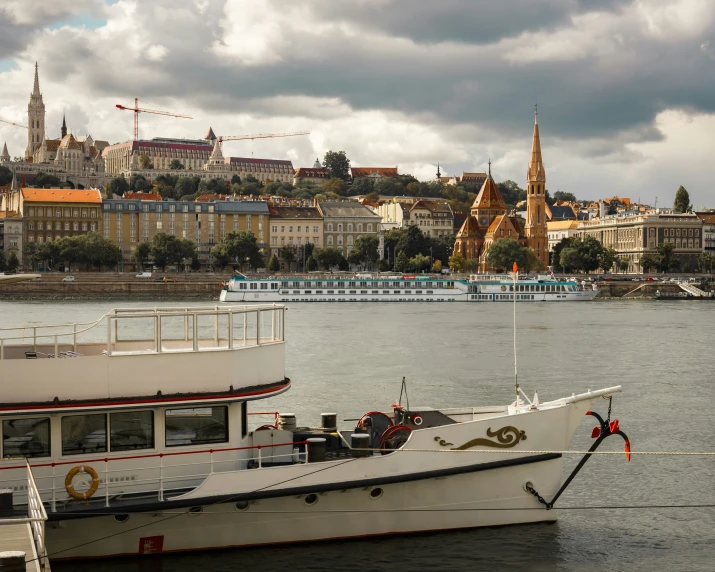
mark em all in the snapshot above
pixel 489 220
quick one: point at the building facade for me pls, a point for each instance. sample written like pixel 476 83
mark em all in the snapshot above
pixel 632 236
pixel 434 217
pixel 344 222
pixel 315 176
pixel 11 235
pixel 708 219
pixel 557 230
pixel 128 222
pixel 51 214
pixel 294 227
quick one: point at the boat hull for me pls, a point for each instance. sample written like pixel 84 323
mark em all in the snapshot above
pixel 493 497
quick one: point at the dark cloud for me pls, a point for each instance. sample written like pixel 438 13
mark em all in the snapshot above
pixel 13 37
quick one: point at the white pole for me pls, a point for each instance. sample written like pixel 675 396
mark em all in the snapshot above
pixel 516 376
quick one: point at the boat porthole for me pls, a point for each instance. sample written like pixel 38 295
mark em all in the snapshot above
pixel 376 493
pixel 242 505
pixel 311 499
pixel 121 517
pixel 196 510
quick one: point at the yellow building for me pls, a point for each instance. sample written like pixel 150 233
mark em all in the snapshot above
pixel 51 214
pixel 128 222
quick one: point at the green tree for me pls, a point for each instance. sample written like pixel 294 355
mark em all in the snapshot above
pixel 608 259
pixel 186 186
pixel 389 187
pixel 287 253
pixel 97 251
pixel 163 248
pixel 337 164
pixel 456 262
pixel 383 265
pixel 372 197
pixel 138 183
pixel 564 196
pixel 365 249
pixel 29 252
pixel 220 256
pixel 12 262
pixel 682 200
pixel 419 263
pixel 570 259
pixel 235 180
pixel 176 164
pixel 402 263
pixel 505 251
pixel 590 250
pixel 273 264
pixel 49 253
pixel 44 180
pixel 335 185
pixel 145 161
pixel 141 253
pixel 242 248
pixel 623 264
pixel 362 186
pixel 437 266
pixel 3 262
pixel 412 242
pixel 71 250
pixel 311 264
pixel 511 192
pixel 5 176
pixel 328 257
pixel 667 259
pixel 649 261
pixel 533 262
pixel 117 186
pixel 706 263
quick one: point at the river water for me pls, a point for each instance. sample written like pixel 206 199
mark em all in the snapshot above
pixel 350 358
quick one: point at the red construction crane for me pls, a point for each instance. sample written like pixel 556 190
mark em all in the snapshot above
pixel 15 124
pixel 260 136
pixel 137 110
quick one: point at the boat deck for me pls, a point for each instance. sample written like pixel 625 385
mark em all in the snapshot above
pixel 18 537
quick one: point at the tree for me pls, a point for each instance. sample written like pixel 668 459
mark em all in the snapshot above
pixel 220 256
pixel 648 261
pixel 328 257
pixel 117 186
pixel 176 164
pixel 337 164
pixel 402 263
pixel 505 251
pixel 456 262
pixel 186 186
pixel 511 192
pixel 311 264
pixel 236 180
pixel 389 187
pixel 682 200
pixel 43 180
pixel 164 249
pixel 570 259
pixel 437 267
pixel 242 247
pixel 706 262
pixel 29 252
pixel 623 264
pixel 287 253
pixel 145 161
pixel 141 254
pixel 138 183
pixel 383 265
pixel 667 260
pixel 590 250
pixel 564 196
pixel 12 262
pixel 5 176
pixel 372 197
pixel 533 262
pixel 365 249
pixel 273 264
pixel 3 262
pixel 336 186
pixel 413 242
pixel 608 258
pixel 419 263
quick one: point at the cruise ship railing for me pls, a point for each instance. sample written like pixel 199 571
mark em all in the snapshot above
pixel 256 324
pixel 36 517
pixel 161 484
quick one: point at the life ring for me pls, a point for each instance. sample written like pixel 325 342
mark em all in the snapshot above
pixel 92 488
pixel 417 420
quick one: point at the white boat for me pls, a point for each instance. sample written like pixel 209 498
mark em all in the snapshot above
pixel 139 436
pixel 404 288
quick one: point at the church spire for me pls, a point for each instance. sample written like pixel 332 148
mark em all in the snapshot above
pixel 36 88
pixel 438 173
pixel 536 166
pixel 5 157
pixel 64 126
pixel 13 185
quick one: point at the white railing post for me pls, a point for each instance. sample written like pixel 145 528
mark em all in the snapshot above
pixel 109 335
pixel 2 349
pixel 34 338
pixel 74 337
pixel 230 329
pixel 53 505
pixel 106 483
pixel 245 328
pixel 195 331
pixel 211 452
pixel 186 325
pixel 57 353
pixel 258 327
pixel 157 333
pixel 216 329
pixel 260 459
pixel 161 476
pixel 273 323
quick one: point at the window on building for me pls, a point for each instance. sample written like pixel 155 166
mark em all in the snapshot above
pixel 26 437
pixel 330 227
pixel 75 226
pixel 58 213
pixel 84 434
pixel 350 227
pixel 369 227
pixel 131 430
pixel 93 226
pixel 274 228
pixel 196 426
pixel 330 240
pixel 58 226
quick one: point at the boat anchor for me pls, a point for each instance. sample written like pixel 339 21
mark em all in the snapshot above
pixel 600 433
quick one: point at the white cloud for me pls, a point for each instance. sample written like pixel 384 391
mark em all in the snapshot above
pixel 156 52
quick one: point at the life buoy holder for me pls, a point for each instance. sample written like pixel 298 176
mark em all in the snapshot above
pixel 417 420
pixel 69 487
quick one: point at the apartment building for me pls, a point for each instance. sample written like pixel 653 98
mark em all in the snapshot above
pixel 344 222
pixel 51 214
pixel 294 226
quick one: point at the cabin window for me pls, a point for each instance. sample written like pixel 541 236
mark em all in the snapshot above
pixel 26 437
pixel 130 430
pixel 244 419
pixel 196 426
pixel 84 434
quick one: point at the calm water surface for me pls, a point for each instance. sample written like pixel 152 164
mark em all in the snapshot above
pixel 350 358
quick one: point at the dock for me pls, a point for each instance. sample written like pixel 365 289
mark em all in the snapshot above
pixel 22 528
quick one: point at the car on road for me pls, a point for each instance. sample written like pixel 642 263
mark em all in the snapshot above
pixel 143 275
pixel 68 279
pixel 166 279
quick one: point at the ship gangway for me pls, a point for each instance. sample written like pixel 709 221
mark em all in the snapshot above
pixel 22 532
pixel 694 290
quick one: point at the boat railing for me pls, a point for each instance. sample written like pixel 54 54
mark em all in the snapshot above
pixel 36 516
pixel 231 327
pixel 161 476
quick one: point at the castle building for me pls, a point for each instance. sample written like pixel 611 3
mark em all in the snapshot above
pixel 35 119
pixel 535 230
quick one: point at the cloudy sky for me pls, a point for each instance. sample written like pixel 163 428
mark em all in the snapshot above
pixel 625 89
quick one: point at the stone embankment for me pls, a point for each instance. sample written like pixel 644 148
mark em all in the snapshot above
pixel 97 286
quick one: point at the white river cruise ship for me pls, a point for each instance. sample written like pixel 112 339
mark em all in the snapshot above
pixel 405 288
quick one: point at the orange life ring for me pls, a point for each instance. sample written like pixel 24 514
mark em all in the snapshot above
pixel 92 488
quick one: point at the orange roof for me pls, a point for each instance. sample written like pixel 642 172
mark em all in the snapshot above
pixel 495 224
pixel 625 201
pixel 208 197
pixel 62 195
pixel 311 173
pixel 489 197
pixel 131 195
pixel 367 171
pixel 52 144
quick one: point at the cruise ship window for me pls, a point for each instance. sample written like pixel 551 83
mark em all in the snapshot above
pixel 84 434
pixel 26 437
pixel 196 426
pixel 130 430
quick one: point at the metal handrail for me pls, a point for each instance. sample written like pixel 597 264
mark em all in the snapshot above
pixel 37 515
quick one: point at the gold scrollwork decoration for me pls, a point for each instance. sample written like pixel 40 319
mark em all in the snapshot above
pixel 442 442
pixel 506 438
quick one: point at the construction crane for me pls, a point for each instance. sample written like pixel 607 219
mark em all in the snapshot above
pixel 15 124
pixel 137 110
pixel 259 136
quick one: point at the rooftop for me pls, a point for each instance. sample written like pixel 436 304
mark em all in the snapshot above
pixel 62 195
pixel 312 173
pixel 288 212
pixel 367 171
pixel 338 209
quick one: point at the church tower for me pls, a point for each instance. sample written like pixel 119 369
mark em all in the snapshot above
pixel 35 118
pixel 535 227
pixel 63 129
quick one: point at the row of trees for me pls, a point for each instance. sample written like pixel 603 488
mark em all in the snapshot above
pixel 238 248
pixel 183 187
pixel 9 263
pixel 92 250
pixel 166 250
